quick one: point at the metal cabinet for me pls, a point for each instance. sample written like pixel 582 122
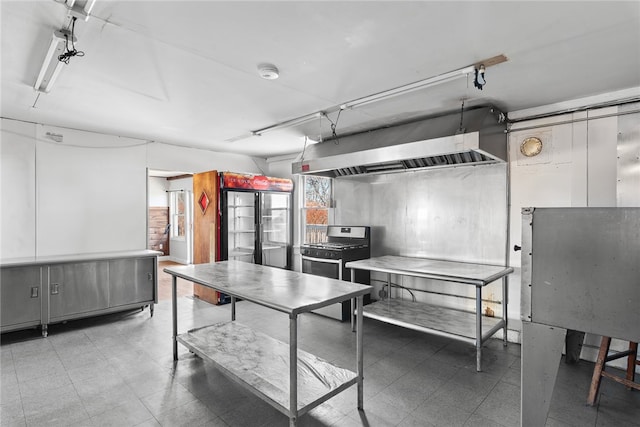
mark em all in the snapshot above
pixel 20 297
pixel 77 288
pixel 43 290
pixel 580 271
pixel 131 281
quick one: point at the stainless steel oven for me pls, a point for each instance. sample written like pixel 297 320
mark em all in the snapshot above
pixel 344 243
pixel 331 268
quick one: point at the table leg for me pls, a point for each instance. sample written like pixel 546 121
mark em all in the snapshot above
pixel 293 369
pixel 505 301
pixel 478 328
pixel 174 310
pixel 233 308
pixel 541 353
pixel 389 285
pixel 353 300
pixel 359 351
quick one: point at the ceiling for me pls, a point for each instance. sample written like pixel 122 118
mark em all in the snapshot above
pixel 186 72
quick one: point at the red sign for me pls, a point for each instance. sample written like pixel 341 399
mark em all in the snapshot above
pixel 255 182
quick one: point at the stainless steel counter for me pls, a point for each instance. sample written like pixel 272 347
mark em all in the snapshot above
pixel 72 258
pixel 38 291
pixel 473 328
pixel 290 380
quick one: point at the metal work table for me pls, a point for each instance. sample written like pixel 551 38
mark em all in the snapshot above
pixel 291 380
pixel 473 328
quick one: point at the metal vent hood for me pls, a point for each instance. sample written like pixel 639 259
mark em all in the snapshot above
pixel 428 143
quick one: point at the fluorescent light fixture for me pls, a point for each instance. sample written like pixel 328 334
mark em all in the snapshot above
pixel 411 87
pixel 289 123
pixel 51 66
pixel 81 9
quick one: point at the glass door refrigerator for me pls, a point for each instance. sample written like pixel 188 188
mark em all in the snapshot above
pixel 255 220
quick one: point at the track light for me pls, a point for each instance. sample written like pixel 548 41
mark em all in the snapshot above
pixel 51 66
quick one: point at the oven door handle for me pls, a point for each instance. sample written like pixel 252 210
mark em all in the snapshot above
pixel 325 260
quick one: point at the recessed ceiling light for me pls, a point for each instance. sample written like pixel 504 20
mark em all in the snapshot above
pixel 268 71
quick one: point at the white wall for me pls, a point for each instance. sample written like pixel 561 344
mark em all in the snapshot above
pixel 171 157
pixel 91 193
pixel 17 190
pixel 158 196
pixel 88 192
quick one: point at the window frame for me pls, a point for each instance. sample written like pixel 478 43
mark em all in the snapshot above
pixel 176 215
pixel 304 208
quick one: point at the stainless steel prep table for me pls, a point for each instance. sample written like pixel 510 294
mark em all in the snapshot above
pixel 291 380
pixel 473 328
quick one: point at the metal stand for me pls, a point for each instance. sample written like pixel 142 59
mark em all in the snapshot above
pixel 541 353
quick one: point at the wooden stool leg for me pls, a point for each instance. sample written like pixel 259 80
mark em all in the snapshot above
pixel 631 362
pixel 597 371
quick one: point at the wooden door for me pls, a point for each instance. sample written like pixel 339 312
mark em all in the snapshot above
pixel 205 224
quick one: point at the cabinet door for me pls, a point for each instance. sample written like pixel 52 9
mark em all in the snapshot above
pixel 21 296
pixel 240 226
pixel 275 226
pixel 78 288
pixel 131 281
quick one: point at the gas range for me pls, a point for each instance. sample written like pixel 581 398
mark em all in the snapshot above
pixel 339 246
pixel 346 243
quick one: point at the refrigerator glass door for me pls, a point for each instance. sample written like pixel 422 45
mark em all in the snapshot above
pixel 241 233
pixel 275 225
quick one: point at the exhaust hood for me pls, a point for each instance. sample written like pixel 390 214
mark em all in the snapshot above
pixel 430 143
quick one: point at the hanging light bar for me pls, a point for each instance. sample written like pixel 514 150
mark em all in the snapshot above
pixel 411 87
pixel 81 9
pixel 51 66
pixel 289 123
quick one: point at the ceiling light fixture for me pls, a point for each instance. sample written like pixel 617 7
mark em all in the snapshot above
pixel 412 87
pixel 80 8
pixel 289 123
pixel 52 66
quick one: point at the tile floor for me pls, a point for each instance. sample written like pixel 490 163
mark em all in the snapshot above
pixel 117 370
